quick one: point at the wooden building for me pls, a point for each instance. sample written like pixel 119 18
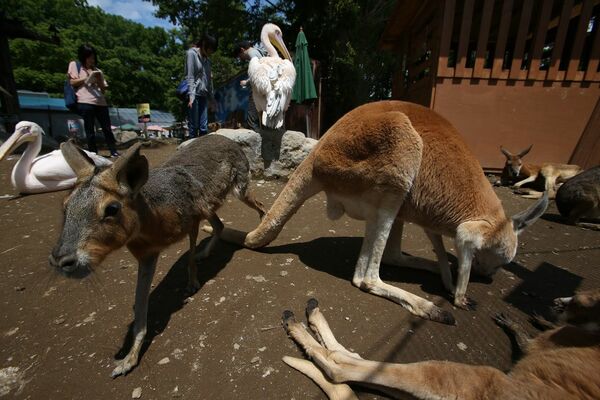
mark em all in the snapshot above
pixel 505 72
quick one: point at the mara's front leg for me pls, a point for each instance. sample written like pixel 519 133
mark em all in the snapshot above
pixel 146 268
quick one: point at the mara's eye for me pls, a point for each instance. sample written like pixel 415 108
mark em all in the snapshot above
pixel 112 209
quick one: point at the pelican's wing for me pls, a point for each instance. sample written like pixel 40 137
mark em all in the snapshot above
pixel 54 167
pixel 258 71
pixel 283 89
pixel 51 167
pixel 99 160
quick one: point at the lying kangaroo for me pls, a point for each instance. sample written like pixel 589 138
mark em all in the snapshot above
pixel 579 198
pixel 549 175
pixel 562 363
pixel 147 210
pixel 390 162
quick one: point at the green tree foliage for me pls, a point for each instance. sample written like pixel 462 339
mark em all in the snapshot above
pixel 145 64
pixel 141 64
pixel 342 35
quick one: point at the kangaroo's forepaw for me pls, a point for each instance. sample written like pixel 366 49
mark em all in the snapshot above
pixel 465 303
pixel 123 366
pixel 504 321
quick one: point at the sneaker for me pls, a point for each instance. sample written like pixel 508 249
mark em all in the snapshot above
pixel 114 154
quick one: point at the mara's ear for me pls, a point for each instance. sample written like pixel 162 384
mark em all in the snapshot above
pixel 78 160
pixel 523 152
pixel 525 218
pixel 131 169
pixel 505 152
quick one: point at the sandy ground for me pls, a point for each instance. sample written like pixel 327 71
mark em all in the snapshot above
pixel 58 336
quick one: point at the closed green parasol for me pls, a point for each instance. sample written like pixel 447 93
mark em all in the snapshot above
pixel 304 88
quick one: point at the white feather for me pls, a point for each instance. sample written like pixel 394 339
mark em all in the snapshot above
pixel 46 173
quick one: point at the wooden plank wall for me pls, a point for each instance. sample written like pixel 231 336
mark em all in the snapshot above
pixel 517 34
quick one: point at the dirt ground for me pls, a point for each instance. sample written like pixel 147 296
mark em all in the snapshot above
pixel 59 336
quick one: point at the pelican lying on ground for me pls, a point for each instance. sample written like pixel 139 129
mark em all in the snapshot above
pixel 46 173
pixel 272 78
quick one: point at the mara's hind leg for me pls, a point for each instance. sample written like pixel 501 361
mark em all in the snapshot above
pixel 217 228
pixel 366 273
pixel 300 187
pixel 243 192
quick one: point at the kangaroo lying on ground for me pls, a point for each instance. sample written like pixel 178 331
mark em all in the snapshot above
pixel 390 162
pixel 579 198
pixel 147 210
pixel 548 175
pixel 559 364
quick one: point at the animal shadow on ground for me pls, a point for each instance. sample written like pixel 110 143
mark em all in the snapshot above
pixel 169 296
pixel 337 256
pixel 540 286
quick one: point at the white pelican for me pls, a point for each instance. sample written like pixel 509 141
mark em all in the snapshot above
pixel 272 78
pixel 46 173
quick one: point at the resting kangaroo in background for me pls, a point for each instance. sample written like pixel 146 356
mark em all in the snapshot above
pixel 559 364
pixel 579 198
pixel 147 210
pixel 390 162
pixel 549 175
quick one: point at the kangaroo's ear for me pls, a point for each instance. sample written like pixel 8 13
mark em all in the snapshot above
pixel 131 169
pixel 523 152
pixel 78 160
pixel 525 218
pixel 506 153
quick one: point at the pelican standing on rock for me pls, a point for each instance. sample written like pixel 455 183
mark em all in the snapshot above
pixel 46 173
pixel 272 78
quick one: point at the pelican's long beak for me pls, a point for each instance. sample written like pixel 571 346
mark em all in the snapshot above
pixel 277 41
pixel 19 137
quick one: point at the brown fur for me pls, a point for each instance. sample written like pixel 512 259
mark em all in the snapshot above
pixel 147 211
pixel 563 363
pixel 543 177
pixel 390 162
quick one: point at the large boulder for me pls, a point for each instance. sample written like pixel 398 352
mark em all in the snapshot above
pixel 272 154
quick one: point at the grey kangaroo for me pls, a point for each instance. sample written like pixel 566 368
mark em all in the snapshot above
pixel 147 210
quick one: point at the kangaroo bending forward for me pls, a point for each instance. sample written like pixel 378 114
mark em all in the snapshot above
pixel 559 364
pixel 126 204
pixel 390 162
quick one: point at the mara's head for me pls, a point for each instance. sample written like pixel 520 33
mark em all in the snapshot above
pixel 514 162
pixel 498 245
pixel 582 310
pixel 99 214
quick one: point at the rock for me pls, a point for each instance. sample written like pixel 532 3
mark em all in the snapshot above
pixel 272 154
pixel 137 393
pixel 461 346
pixel 164 361
pixel 125 136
